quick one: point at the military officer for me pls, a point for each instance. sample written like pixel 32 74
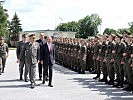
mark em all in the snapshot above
pixel 126 63
pixel 118 51
pixel 3 54
pixel 83 50
pixel 102 55
pixel 110 64
pixel 22 60
pixel 96 56
pixel 31 50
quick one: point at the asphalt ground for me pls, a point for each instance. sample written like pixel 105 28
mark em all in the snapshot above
pixel 68 85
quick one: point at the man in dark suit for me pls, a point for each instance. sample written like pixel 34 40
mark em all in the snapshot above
pixel 41 41
pixel 31 50
pixel 47 59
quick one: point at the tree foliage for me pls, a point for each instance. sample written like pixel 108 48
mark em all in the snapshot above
pixel 70 26
pixel 15 26
pixel 3 21
pixel 88 26
pixel 131 27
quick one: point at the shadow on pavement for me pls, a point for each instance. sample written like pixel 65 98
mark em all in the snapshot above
pixel 63 70
pixel 113 93
pixel 16 86
pixel 95 85
pixel 15 80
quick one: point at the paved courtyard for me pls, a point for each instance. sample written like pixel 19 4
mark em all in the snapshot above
pixel 68 85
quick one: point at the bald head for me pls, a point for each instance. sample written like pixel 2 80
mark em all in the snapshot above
pixel 49 39
pixel 41 36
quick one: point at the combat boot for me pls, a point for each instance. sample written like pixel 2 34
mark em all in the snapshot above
pixel 127 87
pixel 98 76
pixel 130 88
pixel 111 82
pixel 104 79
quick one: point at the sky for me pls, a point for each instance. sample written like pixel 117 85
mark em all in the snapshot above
pixel 46 14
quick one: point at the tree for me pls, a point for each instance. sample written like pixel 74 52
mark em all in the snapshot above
pixel 14 29
pixel 109 31
pixel 3 21
pixel 131 27
pixel 85 27
pixel 88 26
pixel 15 26
pixel 70 26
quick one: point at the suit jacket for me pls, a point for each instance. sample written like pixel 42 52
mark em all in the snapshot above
pixel 31 52
pixel 46 55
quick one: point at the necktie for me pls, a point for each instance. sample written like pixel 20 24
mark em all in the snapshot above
pixel 49 47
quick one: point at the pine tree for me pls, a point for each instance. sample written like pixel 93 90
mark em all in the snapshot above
pixel 15 26
pixel 3 21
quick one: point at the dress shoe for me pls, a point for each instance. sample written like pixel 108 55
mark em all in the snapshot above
pixel 40 79
pixel 82 72
pixel 130 89
pixel 116 80
pixel 43 82
pixel 103 80
pixel 94 72
pixel 26 80
pixel 21 78
pixel 32 85
pixel 125 82
pixel 3 70
pixel 111 83
pixel 50 85
pixel 120 86
pixel 116 85
pixel 46 79
pixel 127 87
pixel 96 77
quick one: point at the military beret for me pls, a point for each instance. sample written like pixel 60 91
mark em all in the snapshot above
pixel 119 36
pixel 24 36
pixel 129 36
pixel 105 34
pixel 97 36
pixel 112 35
pixel 32 35
pixel 127 31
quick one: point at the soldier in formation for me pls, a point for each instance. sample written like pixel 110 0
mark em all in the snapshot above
pixel 110 55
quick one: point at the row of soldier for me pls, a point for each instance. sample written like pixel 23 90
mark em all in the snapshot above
pixel 110 55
